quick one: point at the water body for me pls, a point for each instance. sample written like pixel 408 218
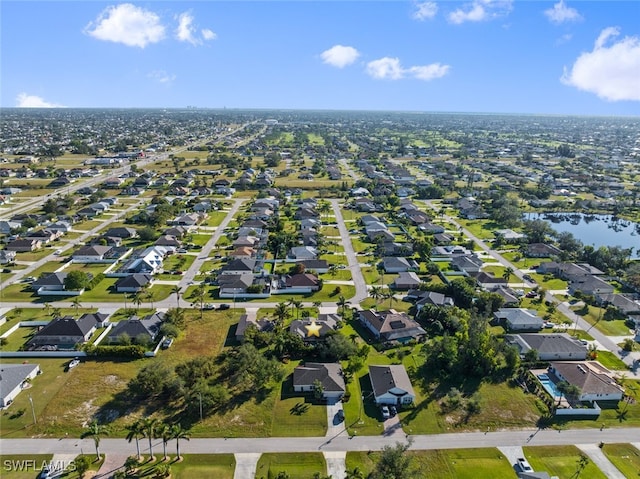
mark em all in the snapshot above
pixel 595 230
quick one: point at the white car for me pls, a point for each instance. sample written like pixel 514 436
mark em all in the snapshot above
pixel 524 465
pixel 386 414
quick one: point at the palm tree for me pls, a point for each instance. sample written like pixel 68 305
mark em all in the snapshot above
pixel 177 433
pixel 137 299
pixel 148 296
pixel 164 431
pixel 177 290
pixel 342 303
pixel 47 308
pixel 148 426
pixel 376 293
pixel 199 295
pixel 281 312
pixel 298 305
pixel 96 431
pixel 508 272
pixel 75 303
pixel 57 312
pixel 390 296
pixel 134 431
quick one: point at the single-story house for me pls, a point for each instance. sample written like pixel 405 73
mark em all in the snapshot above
pixel 395 264
pixel 300 283
pixel 12 380
pixel 594 381
pixel 542 250
pixel 328 375
pixel 7 256
pixel 431 298
pixel 305 328
pixel 136 329
pixel 246 321
pixel 66 332
pixel 91 254
pixel 391 385
pixel 22 245
pixel 550 347
pixel 391 325
pixel 405 281
pixel 133 283
pixel 590 285
pixel 519 319
pixel 301 253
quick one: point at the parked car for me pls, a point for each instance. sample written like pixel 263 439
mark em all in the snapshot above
pixel 224 306
pixel 209 306
pixel 166 344
pixel 386 414
pixel 393 410
pixel 73 363
pixel 45 473
pixel 524 465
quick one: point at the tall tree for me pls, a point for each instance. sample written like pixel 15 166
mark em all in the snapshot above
pixel 177 290
pixel 394 463
pixel 95 430
pixel 134 431
pixel 149 430
pixel 177 433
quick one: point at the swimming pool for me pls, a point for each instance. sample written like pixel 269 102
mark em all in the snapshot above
pixel 549 385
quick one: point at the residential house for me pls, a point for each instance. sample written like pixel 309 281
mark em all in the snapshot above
pixel 53 282
pixel 391 385
pixel 250 321
pixel 13 379
pixel 66 332
pixel 431 298
pixel 168 241
pixel 46 235
pixel 133 283
pixel 590 285
pixel 396 264
pixel 542 250
pixel 469 264
pixel 593 380
pixel 243 252
pixel 122 232
pixel 7 256
pixel 328 375
pixel 7 226
pixel 488 281
pixel 234 285
pixel 519 319
pixel 299 283
pixel 301 253
pixel 318 266
pixel 61 226
pixel 140 331
pixel 550 347
pixel 406 281
pixel 22 245
pixel 92 254
pixel 240 266
pixel 391 325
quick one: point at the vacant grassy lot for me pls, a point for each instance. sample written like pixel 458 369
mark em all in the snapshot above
pixel 220 466
pixel 444 464
pixel 594 316
pixel 297 465
pixel 611 361
pixel 561 461
pixel 625 457
pixel 293 412
pixel 18 339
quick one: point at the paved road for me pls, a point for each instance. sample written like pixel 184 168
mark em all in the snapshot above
pixel 352 260
pixel 525 437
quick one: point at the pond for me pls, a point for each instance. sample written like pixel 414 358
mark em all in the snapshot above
pixel 595 230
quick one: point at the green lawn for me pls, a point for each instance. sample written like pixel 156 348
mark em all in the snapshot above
pixel 297 465
pixel 22 466
pixel 180 262
pixel 215 218
pixel 293 411
pixel 220 466
pixel 486 463
pixel 611 361
pixel 594 316
pixel 550 283
pixel 625 457
pixel 561 461
pixel 18 338
pixel 200 239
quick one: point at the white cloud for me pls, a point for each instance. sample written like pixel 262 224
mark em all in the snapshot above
pixel 339 56
pixel 127 24
pixel 480 10
pixel 425 10
pixel 610 70
pixel 161 76
pixel 186 31
pixel 388 68
pixel 429 72
pixel 560 13
pixel 24 100
pixel 208 34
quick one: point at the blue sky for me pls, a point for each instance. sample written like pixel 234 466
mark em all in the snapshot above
pixel 556 57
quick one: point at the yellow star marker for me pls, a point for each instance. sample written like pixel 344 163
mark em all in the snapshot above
pixel 313 329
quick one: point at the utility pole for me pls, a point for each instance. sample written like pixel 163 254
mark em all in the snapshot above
pixel 33 411
pixel 200 395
